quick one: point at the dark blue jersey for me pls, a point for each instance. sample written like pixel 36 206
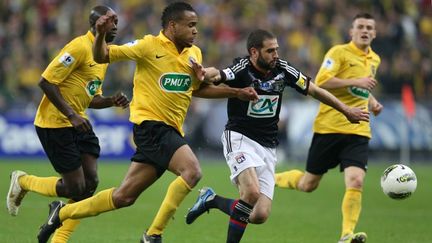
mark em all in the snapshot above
pixel 258 120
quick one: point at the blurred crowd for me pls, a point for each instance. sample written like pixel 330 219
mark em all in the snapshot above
pixel 32 33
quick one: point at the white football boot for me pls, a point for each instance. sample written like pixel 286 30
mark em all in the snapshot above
pixel 15 194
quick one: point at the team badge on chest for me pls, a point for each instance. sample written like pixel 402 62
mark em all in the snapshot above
pixel 92 87
pixel 265 107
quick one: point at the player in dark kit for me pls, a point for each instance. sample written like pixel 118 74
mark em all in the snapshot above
pixel 250 136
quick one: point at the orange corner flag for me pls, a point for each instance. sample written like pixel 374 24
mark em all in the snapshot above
pixel 408 101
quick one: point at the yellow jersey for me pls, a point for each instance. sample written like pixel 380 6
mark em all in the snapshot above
pixel 163 79
pixel 78 77
pixel 345 62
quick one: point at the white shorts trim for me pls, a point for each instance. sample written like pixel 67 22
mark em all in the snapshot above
pixel 242 153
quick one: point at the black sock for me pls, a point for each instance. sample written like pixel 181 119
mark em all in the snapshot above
pixel 238 221
pixel 223 204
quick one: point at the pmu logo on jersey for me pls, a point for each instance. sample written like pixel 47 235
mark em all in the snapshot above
pixel 265 107
pixel 359 92
pixel 92 87
pixel 175 82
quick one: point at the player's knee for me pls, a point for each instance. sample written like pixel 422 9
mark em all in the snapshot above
pixel 91 185
pixel 192 175
pixel 308 187
pixel 259 216
pixel 120 200
pixel 75 191
pixel 355 182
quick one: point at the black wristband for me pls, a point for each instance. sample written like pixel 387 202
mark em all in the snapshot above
pixel 223 78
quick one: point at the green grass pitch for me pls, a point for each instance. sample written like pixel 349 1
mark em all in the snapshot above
pixel 296 217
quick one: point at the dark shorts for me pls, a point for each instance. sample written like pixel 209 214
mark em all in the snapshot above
pixel 156 144
pixel 329 150
pixel 64 146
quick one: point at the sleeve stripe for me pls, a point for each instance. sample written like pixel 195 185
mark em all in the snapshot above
pixel 288 68
pixel 240 66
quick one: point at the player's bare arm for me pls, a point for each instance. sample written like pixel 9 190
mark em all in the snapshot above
pixel 374 106
pixel 100 47
pixel 366 83
pixel 101 102
pixel 353 114
pixel 212 75
pixel 211 91
pixel 54 95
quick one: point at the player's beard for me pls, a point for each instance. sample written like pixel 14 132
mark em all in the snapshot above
pixel 263 64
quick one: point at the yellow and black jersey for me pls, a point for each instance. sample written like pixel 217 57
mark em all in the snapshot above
pixel 78 77
pixel 345 62
pixel 163 80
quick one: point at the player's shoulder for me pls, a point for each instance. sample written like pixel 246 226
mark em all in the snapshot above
pixel 339 47
pixel 375 55
pixel 195 48
pixel 239 64
pixel 79 46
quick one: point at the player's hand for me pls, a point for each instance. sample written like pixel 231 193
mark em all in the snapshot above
pixel 198 69
pixel 366 83
pixel 247 94
pixel 79 123
pixel 120 100
pixel 375 107
pixel 105 23
pixel 356 115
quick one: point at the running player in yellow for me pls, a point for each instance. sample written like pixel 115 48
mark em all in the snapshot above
pixel 348 72
pixel 167 72
pixel 71 83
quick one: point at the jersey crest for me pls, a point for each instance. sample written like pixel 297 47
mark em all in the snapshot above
pixel 265 107
pixel 92 87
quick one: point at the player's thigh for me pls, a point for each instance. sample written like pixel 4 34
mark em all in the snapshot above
pixel 324 153
pixel 61 148
pixel 88 145
pixel 184 161
pixel 354 152
pixel 138 178
pixel 89 165
pixel 248 184
pixel 157 143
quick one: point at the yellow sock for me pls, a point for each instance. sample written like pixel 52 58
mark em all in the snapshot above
pixel 42 185
pixel 92 206
pixel 351 207
pixel 288 179
pixel 62 234
pixel 177 191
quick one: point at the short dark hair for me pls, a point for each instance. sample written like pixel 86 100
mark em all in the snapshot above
pixel 363 16
pixel 174 11
pixel 257 37
pixel 96 12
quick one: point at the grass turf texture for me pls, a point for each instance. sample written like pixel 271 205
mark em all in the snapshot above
pixel 296 217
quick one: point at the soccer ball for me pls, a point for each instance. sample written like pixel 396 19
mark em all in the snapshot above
pixel 398 181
